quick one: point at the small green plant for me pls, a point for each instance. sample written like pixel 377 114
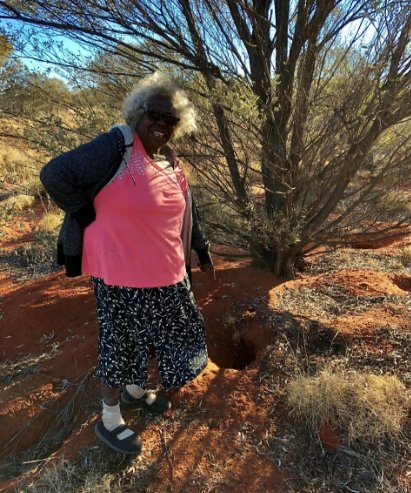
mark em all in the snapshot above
pixel 365 407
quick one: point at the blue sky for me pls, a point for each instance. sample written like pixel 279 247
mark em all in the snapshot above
pixel 23 31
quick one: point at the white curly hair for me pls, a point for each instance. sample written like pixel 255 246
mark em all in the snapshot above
pixel 160 84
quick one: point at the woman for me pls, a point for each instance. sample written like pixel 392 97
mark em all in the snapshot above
pixel 129 224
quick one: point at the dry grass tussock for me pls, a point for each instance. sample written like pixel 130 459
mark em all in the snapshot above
pixel 364 406
pixel 329 300
pixel 50 222
pixel 64 477
pixel 356 259
pixel 407 252
pixel 19 202
pixel 20 168
pixel 10 154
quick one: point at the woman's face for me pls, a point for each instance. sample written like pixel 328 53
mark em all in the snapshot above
pixel 157 124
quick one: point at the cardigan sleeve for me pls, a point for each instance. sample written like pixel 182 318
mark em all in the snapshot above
pixel 199 242
pixel 68 178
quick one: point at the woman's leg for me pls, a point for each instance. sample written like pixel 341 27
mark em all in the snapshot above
pixel 110 394
pixel 180 337
pixel 111 416
pixel 112 369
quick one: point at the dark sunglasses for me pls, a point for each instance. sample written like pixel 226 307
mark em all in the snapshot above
pixel 156 116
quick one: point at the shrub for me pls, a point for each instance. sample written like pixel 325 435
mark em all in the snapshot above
pixel 365 407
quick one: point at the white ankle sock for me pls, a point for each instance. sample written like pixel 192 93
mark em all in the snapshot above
pixel 112 416
pixel 135 391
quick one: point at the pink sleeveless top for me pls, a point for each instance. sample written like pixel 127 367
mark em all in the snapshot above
pixel 135 238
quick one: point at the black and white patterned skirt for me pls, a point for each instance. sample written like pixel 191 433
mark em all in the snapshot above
pixel 133 320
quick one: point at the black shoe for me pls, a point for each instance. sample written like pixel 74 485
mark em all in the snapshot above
pixel 160 404
pixel 130 445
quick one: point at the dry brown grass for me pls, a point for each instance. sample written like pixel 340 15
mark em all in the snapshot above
pixel 19 202
pixel 50 222
pixel 406 253
pixel 12 372
pixel 357 259
pixel 64 477
pixel 364 406
pixel 328 300
pixel 397 200
pixel 20 165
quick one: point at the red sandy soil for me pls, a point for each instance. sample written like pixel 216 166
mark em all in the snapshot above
pixel 229 399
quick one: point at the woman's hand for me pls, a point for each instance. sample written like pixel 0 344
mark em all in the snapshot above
pixel 208 267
